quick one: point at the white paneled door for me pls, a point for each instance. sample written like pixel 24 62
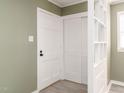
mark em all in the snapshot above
pixel 75 49
pixel 49 48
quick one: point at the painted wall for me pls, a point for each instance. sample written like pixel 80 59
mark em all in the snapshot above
pixel 18 63
pixel 117 58
pixel 82 7
pixel 18 56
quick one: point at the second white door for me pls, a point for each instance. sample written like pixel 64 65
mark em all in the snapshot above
pixel 75 49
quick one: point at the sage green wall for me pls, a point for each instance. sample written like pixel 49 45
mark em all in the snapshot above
pixel 117 58
pixel 17 56
pixel 82 7
pixel 18 60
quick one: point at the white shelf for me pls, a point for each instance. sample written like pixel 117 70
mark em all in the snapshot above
pixel 96 42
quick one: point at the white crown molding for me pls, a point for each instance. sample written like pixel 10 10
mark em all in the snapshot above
pixel 56 3
pixel 114 2
pixel 61 5
pixel 73 3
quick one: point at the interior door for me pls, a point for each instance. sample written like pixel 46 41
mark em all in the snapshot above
pixel 97 46
pixel 74 57
pixel 49 48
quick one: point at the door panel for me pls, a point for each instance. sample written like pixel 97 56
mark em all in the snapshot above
pixel 73 67
pixel 73 50
pixel 49 42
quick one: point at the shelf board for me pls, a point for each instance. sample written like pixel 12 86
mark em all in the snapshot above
pixel 96 42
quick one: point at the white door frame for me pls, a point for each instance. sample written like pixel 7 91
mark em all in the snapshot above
pixel 83 14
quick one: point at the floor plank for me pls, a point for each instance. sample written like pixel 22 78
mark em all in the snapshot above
pixel 65 86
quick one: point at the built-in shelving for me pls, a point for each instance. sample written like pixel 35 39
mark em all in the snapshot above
pixel 98 45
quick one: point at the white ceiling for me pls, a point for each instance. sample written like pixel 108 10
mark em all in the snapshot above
pixel 64 3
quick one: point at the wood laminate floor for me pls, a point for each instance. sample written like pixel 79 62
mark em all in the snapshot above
pixel 65 86
pixel 116 89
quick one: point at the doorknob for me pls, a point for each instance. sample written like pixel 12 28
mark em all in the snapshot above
pixel 41 53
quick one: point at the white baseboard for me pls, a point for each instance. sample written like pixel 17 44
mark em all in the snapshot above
pixel 114 82
pixel 35 91
pixel 117 82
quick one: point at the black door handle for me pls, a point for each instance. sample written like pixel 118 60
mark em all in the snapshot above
pixel 41 53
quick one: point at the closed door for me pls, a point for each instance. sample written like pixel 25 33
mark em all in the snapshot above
pixel 49 44
pixel 75 51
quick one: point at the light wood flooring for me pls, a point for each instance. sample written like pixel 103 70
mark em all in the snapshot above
pixel 116 89
pixel 65 86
